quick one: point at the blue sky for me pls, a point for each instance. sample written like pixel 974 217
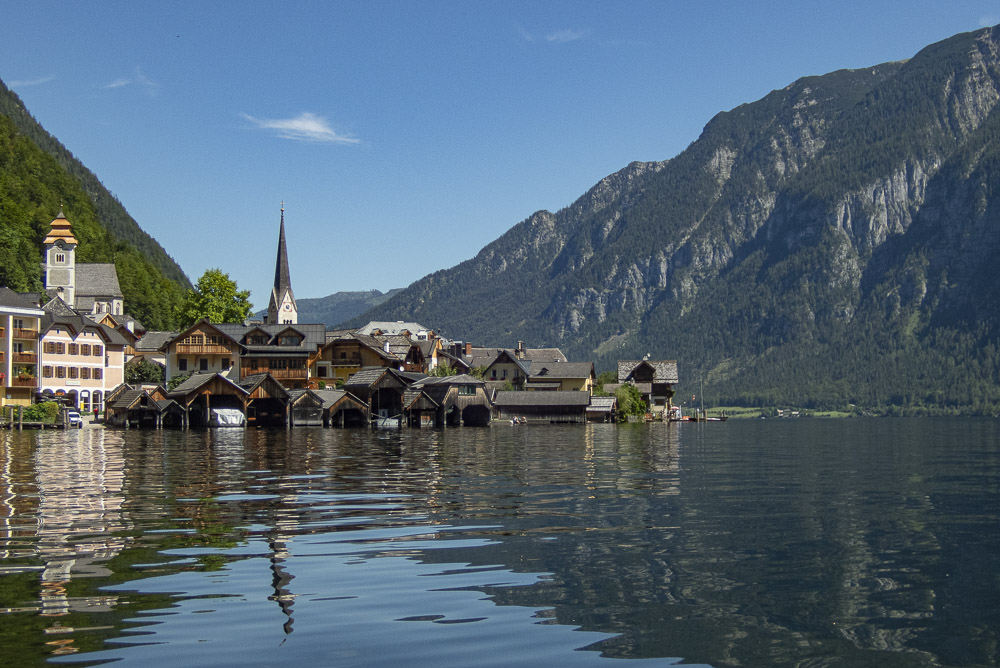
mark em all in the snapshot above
pixel 403 137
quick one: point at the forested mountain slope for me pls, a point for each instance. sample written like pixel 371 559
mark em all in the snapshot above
pixel 836 242
pixel 37 176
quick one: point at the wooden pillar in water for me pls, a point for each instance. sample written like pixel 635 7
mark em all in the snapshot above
pixel 20 418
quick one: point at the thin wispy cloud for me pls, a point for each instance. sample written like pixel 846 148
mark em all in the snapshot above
pixel 24 83
pixel 139 79
pixel 304 127
pixel 566 35
pixel 558 37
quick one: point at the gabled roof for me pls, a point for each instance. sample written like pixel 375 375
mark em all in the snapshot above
pixel 97 280
pixel 253 381
pixel 562 370
pixel 153 341
pixel 391 328
pixel 665 371
pixel 602 404
pixel 78 323
pixel 197 380
pixel 11 299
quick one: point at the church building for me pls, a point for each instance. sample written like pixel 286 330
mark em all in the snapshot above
pixel 87 288
pixel 281 308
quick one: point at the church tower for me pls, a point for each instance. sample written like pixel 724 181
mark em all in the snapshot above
pixel 281 309
pixel 60 259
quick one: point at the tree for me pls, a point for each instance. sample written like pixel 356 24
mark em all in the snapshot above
pixel 629 401
pixel 443 369
pixel 143 371
pixel 216 297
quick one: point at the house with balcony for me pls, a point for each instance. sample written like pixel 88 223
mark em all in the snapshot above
pixel 655 380
pixel 81 361
pixel 19 326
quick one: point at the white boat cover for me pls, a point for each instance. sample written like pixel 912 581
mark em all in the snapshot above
pixel 227 417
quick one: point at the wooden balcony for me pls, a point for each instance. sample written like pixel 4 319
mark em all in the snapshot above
pixel 23 382
pixel 348 361
pixel 21 333
pixel 280 374
pixel 24 358
pixel 202 349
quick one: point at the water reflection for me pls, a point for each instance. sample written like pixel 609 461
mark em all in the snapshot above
pixel 851 543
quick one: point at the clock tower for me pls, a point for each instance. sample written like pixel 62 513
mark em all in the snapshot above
pixel 281 308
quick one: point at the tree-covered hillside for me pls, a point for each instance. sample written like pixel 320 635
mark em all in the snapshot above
pixel 833 243
pixel 37 176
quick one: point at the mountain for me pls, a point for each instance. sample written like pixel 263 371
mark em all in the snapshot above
pixel 833 244
pixel 37 176
pixel 339 307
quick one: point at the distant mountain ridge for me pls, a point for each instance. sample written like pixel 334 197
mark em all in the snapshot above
pixel 339 307
pixel 835 243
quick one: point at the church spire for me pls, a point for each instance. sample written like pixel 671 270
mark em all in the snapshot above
pixel 282 307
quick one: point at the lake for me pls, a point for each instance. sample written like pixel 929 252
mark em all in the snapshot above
pixel 797 542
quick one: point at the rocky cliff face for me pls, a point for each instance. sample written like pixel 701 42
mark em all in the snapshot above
pixel 858 194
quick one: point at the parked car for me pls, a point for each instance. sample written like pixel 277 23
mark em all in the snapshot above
pixel 74 419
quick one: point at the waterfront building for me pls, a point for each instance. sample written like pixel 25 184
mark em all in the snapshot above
pixel 19 326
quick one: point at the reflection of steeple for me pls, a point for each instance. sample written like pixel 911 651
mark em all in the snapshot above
pixel 279 581
pixel 281 308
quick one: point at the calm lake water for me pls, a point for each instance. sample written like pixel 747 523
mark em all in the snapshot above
pixel 744 543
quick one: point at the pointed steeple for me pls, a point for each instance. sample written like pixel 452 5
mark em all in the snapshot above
pixel 282 307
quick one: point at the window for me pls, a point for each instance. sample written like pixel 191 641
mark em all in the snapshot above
pixel 60 348
pixel 98 351
pixel 85 349
pixel 46 372
pixel 74 349
pixel 182 365
pixel 467 390
pixel 85 373
pixel 49 347
pixel 74 372
pixel 18 323
pixel 60 258
pixel 98 374
pixel 226 363
pixel 321 371
pixel 60 372
pixel 203 364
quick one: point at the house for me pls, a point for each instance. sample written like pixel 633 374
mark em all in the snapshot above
pixel 382 389
pixel 601 409
pixel 81 360
pixel 655 380
pixel 511 365
pixel 343 409
pixel 20 322
pixel 459 400
pixel 346 353
pixel 554 406
pixel 565 376
pixel 411 330
pixel 239 351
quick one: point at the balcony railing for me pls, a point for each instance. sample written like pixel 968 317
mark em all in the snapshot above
pixel 23 382
pixel 280 374
pixel 25 358
pixel 202 349
pixel 348 361
pixel 22 333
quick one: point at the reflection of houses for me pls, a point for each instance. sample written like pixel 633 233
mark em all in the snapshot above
pixel 654 379
pixel 72 521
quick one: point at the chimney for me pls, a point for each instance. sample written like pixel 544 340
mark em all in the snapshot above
pixel 519 353
pixel 468 347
